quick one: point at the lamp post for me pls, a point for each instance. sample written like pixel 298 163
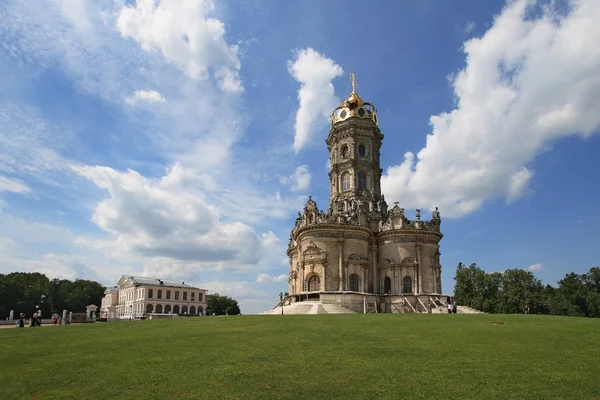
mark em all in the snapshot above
pixel 281 301
pixel 131 311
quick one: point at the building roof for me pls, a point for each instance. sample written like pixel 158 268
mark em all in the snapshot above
pixel 142 280
pixel 111 289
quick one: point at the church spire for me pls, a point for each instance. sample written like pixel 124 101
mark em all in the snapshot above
pixel 354 100
pixel 354 106
pixel 353 80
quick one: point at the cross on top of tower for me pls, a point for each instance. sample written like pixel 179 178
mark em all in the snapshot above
pixel 353 80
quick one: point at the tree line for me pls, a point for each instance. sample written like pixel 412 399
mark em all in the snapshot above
pixel 511 291
pixel 221 305
pixel 24 292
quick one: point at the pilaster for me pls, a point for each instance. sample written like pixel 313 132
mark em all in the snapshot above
pixel 340 264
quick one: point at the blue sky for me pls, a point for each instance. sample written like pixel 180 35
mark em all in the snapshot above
pixel 180 138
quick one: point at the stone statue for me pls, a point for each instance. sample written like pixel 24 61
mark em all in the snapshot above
pixel 418 214
pixel 382 206
pixel 435 214
pixel 11 315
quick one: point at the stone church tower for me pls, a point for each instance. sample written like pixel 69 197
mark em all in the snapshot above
pixel 359 254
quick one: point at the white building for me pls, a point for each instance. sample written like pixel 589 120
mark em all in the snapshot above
pixel 136 296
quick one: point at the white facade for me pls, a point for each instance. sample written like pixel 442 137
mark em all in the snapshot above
pixel 136 296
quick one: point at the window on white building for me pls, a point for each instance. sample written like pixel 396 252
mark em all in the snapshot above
pixel 149 293
pixel 345 181
pixel 168 295
pixel 184 295
pixel 362 180
pixel 159 294
pixel 176 295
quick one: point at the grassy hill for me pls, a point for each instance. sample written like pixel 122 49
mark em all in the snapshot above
pixel 362 356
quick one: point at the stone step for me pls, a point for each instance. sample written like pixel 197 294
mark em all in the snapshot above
pixel 309 307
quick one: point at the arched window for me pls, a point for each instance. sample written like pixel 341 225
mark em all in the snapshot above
pixel 167 309
pixel 314 283
pixel 362 180
pixel 406 285
pixel 192 310
pixel 175 309
pixel 345 181
pixel 387 285
pixel 184 310
pixel 149 308
pixel 158 309
pixel 200 312
pixel 362 151
pixel 345 152
pixel 353 283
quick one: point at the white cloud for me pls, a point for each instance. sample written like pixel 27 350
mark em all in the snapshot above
pixel 528 81
pixel 26 143
pixel 535 267
pixel 266 278
pixel 13 185
pixel 185 34
pixel 148 96
pixel 300 180
pixel 469 27
pixel 317 99
pixel 155 218
pixel 77 13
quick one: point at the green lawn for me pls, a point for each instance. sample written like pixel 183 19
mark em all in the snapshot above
pixel 362 356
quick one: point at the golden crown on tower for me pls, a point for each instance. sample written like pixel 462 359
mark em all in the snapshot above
pixel 354 106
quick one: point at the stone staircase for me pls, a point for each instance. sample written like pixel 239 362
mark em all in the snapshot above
pixel 467 310
pixel 309 307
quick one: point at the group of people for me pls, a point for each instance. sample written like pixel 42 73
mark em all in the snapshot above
pixel 452 307
pixel 35 320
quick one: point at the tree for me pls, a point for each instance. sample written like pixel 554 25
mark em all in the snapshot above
pixel 510 291
pixel 24 292
pixel 520 288
pixel 221 305
pixel 469 284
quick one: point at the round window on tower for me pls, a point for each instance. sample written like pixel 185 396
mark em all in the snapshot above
pixel 362 151
pixel 343 114
pixel 361 112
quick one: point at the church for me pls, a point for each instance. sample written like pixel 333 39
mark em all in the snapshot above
pixel 358 254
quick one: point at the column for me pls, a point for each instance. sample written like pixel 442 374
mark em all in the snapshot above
pixel 340 265
pixel 434 280
pixel 375 268
pixel 325 277
pixel 420 270
pixel 302 278
pixel 346 277
pixel 395 282
pixel 365 287
pixel 415 287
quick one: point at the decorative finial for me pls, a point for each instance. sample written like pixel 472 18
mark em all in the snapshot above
pixel 353 80
pixel 309 198
pixel 395 203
